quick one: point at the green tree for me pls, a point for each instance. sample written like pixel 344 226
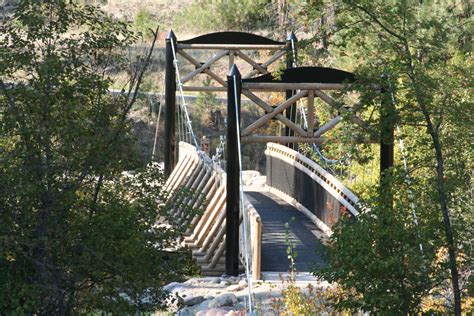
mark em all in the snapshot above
pixel 77 234
pixel 143 21
pixel 377 260
pixel 421 52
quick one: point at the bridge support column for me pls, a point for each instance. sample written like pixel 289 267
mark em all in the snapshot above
pixel 387 123
pixel 170 101
pixel 290 61
pixel 234 86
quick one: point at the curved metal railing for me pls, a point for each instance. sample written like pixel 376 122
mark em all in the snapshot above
pixel 309 186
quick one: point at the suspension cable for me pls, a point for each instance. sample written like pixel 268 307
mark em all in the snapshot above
pixel 315 147
pixel 155 141
pixel 178 118
pixel 219 150
pixel 186 120
pixel 183 101
pixel 293 52
pixel 241 198
pixel 407 174
pixel 408 182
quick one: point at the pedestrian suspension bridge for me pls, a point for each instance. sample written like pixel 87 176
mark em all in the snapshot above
pixel 246 231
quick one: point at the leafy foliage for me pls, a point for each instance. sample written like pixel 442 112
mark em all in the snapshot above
pixel 310 300
pixel 378 262
pixel 143 21
pixel 418 52
pixel 77 233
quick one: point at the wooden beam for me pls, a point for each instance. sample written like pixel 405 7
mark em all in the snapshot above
pixel 283 86
pixel 230 46
pixel 304 139
pixel 310 113
pixel 282 139
pixel 255 239
pixel 257 249
pixel 267 108
pixel 270 61
pixel 323 96
pixel 328 126
pixel 206 71
pixel 254 64
pixel 204 88
pixel 274 58
pixel 231 58
pixel 267 117
pixel 206 65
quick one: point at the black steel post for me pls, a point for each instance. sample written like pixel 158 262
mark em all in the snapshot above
pixel 170 102
pixel 290 60
pixel 234 80
pixel 387 124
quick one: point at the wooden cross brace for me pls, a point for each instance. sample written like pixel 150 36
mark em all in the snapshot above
pixel 314 90
pixel 205 67
pixel 310 135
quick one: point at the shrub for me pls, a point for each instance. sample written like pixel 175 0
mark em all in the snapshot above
pixel 208 15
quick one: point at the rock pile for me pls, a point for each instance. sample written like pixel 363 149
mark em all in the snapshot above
pixel 253 178
pixel 228 295
pixel 218 299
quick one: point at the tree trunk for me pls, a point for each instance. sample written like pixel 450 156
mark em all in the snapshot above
pixel 442 201
pixel 447 223
pixel 281 13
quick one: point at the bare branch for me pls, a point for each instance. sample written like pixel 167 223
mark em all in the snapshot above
pixel 141 74
pixel 383 26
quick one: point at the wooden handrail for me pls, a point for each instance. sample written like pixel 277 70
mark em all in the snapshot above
pixel 256 226
pixel 207 233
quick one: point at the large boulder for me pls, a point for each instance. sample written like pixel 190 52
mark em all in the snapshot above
pixel 193 300
pixel 237 287
pixel 173 287
pixel 187 311
pixel 248 175
pixel 226 299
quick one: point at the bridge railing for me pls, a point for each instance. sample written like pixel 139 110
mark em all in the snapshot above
pixel 254 236
pixel 206 233
pixel 306 185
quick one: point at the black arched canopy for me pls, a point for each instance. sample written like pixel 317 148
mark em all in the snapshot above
pixel 234 38
pixel 306 75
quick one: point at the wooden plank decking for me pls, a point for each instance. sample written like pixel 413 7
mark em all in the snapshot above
pixel 275 213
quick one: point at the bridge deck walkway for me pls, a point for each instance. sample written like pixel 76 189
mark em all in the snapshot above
pixel 275 213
